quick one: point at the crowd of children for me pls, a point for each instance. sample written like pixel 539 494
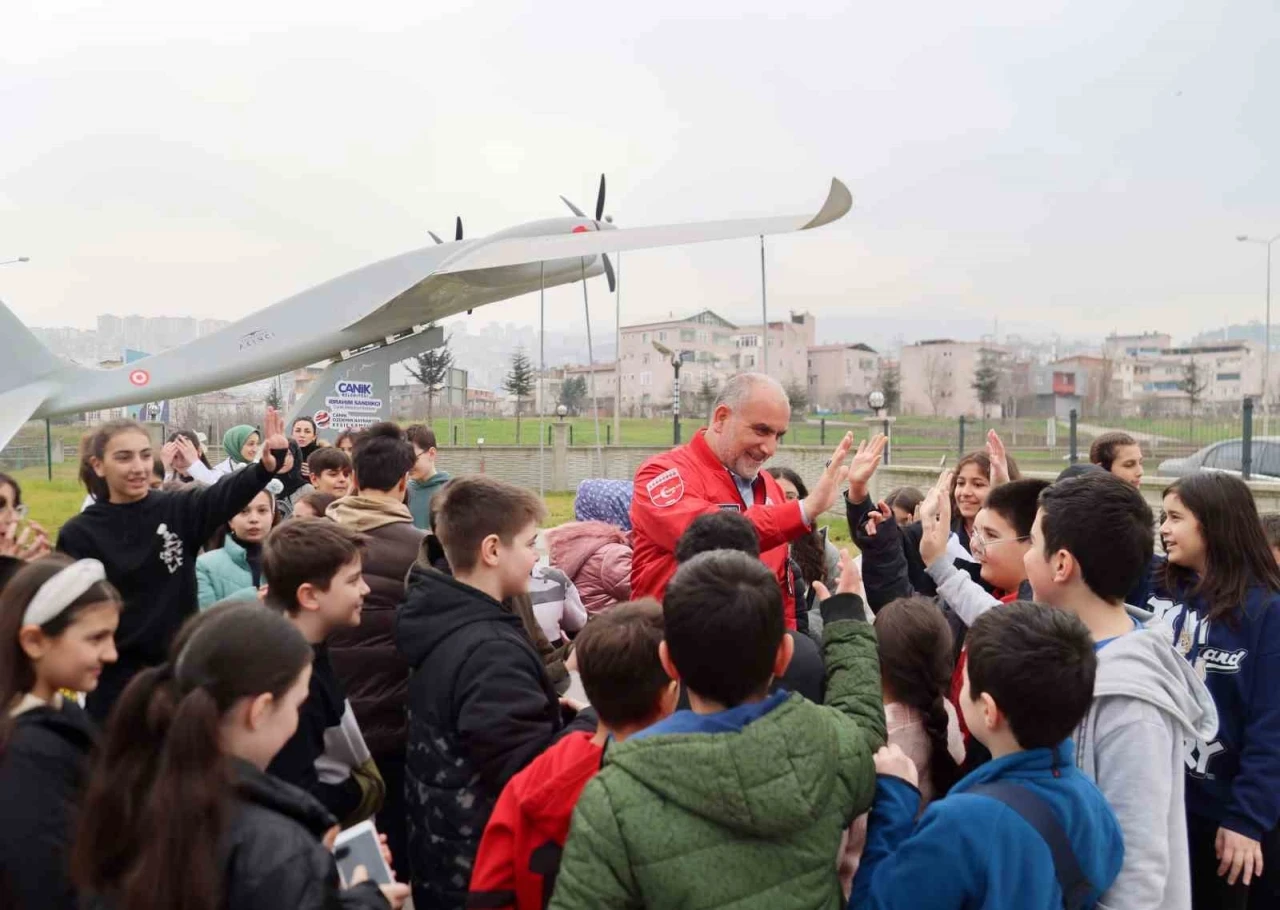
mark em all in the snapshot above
pixel 1012 699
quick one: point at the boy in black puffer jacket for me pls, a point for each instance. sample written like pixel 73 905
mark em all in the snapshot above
pixel 480 704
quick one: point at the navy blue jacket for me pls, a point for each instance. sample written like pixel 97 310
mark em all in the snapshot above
pixel 1235 779
pixel 972 851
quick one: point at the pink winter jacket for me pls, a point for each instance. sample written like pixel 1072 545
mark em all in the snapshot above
pixel 597 558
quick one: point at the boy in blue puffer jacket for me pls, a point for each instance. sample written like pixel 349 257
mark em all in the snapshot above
pixel 1028 682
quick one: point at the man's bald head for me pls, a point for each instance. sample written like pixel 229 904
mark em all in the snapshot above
pixel 744 387
pixel 748 421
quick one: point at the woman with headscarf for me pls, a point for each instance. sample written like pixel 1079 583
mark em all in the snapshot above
pixel 241 446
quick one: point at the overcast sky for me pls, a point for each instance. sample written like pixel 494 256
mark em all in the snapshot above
pixel 1070 167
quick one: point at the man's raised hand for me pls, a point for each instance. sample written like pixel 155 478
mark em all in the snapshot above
pixel 822 495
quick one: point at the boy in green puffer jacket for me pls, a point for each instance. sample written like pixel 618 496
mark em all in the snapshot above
pixel 741 801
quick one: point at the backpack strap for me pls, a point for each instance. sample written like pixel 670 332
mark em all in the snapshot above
pixel 1076 887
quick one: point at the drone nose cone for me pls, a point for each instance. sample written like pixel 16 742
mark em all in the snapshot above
pixel 581 229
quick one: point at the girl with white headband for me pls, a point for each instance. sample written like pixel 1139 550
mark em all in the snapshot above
pixel 57 622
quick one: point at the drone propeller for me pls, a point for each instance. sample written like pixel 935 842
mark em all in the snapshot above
pixel 434 236
pixel 600 216
pixel 457 231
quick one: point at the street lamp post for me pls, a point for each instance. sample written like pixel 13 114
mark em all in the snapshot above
pixel 675 389
pixel 1266 348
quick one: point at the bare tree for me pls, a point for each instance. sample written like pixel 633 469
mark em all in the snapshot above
pixel 939 383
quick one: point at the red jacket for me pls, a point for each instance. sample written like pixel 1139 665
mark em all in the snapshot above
pixel 519 854
pixel 673 489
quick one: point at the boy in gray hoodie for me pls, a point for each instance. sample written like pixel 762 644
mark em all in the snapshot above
pixel 1091 540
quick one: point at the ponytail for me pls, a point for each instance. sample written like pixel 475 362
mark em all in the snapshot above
pixel 159 795
pixel 914 642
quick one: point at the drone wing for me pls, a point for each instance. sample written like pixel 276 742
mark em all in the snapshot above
pixel 519 250
pixel 484 271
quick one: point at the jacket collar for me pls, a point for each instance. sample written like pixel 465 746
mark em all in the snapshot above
pixel 731 720
pixel 1031 763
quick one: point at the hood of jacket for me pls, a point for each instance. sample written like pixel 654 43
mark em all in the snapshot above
pixel 48 732
pixel 434 482
pixel 437 605
pixel 768 779
pixel 1143 665
pixel 548 793
pixel 364 513
pixel 572 544
pixel 233 442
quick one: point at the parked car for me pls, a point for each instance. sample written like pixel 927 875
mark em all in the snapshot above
pixel 1225 456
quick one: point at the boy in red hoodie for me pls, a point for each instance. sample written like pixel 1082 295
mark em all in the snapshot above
pixel 519 854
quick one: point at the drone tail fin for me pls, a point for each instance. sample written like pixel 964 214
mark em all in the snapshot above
pixel 27 368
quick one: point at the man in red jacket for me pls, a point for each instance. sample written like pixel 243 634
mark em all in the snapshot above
pixel 721 469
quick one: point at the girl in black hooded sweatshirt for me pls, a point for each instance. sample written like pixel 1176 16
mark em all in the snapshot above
pixel 57 622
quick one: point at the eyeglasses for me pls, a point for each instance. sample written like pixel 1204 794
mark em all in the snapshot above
pixel 979 544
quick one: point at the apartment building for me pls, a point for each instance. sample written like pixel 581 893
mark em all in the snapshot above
pixel 711 349
pixel 937 376
pixel 841 376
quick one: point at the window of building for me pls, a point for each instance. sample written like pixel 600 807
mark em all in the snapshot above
pixel 688 334
pixel 644 338
pixel 646 379
pixel 662 336
pixel 644 358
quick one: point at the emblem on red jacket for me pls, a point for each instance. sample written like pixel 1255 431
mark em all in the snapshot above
pixel 666 489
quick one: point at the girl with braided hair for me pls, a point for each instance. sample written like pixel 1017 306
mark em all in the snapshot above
pixel 914 643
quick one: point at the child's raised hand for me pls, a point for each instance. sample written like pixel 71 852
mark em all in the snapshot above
pixel 935 520
pixel 999 459
pixel 850 581
pixel 877 516
pixel 891 761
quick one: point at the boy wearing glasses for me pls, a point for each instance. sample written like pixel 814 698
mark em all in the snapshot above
pixel 1001 538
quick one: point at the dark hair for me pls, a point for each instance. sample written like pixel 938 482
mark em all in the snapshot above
pixel 1016 502
pixel 1271 528
pixel 17 675
pixel 618 656
pixel 191 437
pixel 157 468
pixel 1105 524
pixel 328 458
pixel 219 539
pixel 382 457
pixel 157 802
pixel 94 445
pixel 915 643
pixel 297 420
pixel 421 436
pixel 352 435
pixel 1037 664
pixel 723 617
pixel 807 549
pixel 305 551
pixel 1076 470
pixel 474 507
pixel 318 501
pixel 1103 450
pixel 906 498
pixel 17 488
pixel 719 530
pixel 1237 555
